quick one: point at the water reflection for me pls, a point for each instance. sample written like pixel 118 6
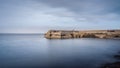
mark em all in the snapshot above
pixel 33 51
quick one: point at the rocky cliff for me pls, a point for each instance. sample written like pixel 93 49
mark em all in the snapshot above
pixel 64 34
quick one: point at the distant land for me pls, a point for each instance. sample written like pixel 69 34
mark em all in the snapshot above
pixel 21 33
pixel 67 34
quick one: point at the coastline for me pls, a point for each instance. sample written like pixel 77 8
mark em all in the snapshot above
pixel 65 34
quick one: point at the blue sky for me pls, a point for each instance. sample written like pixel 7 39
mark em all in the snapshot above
pixel 36 16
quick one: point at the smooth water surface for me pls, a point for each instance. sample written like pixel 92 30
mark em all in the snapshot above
pixel 34 51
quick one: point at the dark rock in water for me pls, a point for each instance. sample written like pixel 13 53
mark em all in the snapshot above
pixel 112 65
pixel 119 52
pixel 115 64
pixel 117 57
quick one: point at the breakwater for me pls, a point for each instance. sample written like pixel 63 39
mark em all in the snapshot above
pixel 66 34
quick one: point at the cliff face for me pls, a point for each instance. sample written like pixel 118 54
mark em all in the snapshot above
pixel 62 34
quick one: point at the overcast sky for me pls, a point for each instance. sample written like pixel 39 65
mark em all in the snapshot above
pixel 36 16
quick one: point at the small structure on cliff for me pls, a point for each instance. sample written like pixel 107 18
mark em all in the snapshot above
pixel 66 34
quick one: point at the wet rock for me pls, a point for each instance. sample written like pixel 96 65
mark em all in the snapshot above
pixel 117 57
pixel 111 65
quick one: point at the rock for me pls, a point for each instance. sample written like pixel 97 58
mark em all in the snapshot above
pixel 117 57
pixel 66 34
pixel 89 36
pixel 112 65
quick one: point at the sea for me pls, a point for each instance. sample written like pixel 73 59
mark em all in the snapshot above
pixel 35 51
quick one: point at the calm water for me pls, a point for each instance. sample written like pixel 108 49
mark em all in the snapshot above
pixel 34 51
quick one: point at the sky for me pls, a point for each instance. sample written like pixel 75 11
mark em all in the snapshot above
pixel 39 16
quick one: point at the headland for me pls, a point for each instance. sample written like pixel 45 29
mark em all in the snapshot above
pixel 67 34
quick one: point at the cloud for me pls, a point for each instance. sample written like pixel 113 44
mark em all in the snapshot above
pixel 59 14
pixel 86 11
pixel 83 5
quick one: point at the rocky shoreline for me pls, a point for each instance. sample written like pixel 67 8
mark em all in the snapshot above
pixel 114 64
pixel 65 34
